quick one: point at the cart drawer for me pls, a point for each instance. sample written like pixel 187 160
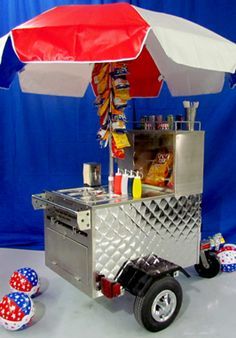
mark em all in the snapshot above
pixel 67 255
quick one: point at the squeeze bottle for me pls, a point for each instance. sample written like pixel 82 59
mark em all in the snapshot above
pixel 110 184
pixel 117 182
pixel 130 182
pixel 137 186
pixel 124 183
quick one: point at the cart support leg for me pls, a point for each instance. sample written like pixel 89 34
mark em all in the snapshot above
pixel 204 259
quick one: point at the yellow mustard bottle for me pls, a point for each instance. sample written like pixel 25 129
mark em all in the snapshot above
pixel 137 186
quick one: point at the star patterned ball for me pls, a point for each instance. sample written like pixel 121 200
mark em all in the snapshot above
pixel 227 258
pixel 16 311
pixel 25 280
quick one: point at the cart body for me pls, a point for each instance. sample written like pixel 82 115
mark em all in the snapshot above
pixel 89 233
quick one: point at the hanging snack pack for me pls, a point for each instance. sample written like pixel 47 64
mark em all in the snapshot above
pixel 121 140
pixel 112 89
pixel 160 169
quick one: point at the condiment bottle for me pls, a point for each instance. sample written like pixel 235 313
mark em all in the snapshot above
pixel 117 182
pixel 124 183
pixel 110 184
pixel 137 186
pixel 130 182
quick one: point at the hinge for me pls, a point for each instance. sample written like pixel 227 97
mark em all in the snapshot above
pixel 84 220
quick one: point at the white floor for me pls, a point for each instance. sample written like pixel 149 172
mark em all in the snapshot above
pixel 208 308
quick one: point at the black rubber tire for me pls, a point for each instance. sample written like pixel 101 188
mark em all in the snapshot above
pixel 214 266
pixel 143 305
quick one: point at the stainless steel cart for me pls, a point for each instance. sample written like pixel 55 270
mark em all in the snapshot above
pixel 105 244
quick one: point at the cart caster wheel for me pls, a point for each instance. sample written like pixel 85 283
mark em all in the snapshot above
pixel 212 270
pixel 160 305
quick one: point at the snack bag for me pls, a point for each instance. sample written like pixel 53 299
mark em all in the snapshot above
pixel 119 102
pixel 103 85
pixel 122 93
pixel 103 107
pixel 160 169
pixel 120 83
pixel 119 70
pixel 117 153
pixel 170 183
pixel 100 71
pixel 121 140
pixel 115 111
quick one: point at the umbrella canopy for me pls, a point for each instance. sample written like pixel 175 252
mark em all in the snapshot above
pixel 55 52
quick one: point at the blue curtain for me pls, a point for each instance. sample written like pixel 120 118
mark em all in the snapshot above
pixel 44 139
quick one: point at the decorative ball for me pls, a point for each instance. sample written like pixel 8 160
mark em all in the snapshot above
pixel 25 280
pixel 16 311
pixel 227 258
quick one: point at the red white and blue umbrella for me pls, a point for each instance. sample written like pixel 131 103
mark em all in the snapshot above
pixel 55 52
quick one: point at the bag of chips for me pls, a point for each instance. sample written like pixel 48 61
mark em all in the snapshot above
pixel 170 182
pixel 160 169
pixel 121 140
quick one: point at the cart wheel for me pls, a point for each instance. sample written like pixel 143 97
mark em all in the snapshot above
pixel 212 270
pixel 160 305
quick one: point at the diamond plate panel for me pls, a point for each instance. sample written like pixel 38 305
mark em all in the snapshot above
pixel 168 227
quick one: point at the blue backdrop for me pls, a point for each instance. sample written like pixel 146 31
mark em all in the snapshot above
pixel 44 139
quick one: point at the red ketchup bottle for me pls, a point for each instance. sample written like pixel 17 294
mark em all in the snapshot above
pixel 117 182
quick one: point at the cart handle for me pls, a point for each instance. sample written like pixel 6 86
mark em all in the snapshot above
pixel 83 217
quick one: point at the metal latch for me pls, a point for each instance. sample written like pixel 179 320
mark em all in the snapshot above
pixel 84 220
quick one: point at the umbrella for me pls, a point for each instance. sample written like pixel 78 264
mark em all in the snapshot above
pixel 55 52
pixel 191 59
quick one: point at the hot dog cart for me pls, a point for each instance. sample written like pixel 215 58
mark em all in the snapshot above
pixel 102 243
pixel 105 244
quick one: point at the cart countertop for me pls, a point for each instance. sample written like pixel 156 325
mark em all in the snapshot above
pixel 100 196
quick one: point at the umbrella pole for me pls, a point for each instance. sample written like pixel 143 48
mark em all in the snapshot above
pixel 111 161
